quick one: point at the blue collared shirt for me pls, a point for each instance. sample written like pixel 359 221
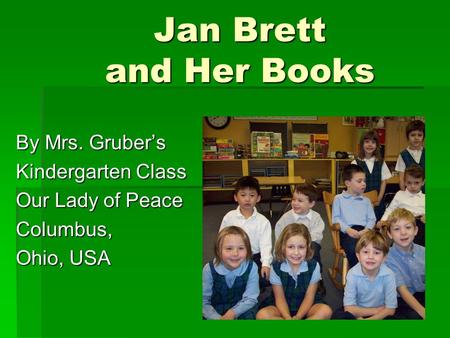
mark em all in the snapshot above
pixel 285 267
pixel 249 298
pixel 350 210
pixel 409 267
pixel 362 291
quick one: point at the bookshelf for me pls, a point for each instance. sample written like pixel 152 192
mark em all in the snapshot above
pixel 312 169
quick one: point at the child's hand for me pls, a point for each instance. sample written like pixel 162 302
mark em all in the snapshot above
pixel 352 233
pixel 229 315
pixel 422 313
pixel 361 232
pixel 265 272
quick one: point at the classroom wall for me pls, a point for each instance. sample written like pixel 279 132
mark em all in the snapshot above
pixel 340 137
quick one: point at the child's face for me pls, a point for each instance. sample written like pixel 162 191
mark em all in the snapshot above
pixel 296 250
pixel 370 258
pixel 402 233
pixel 301 204
pixel 357 184
pixel 413 184
pixel 233 251
pixel 247 199
pixel 415 139
pixel 369 147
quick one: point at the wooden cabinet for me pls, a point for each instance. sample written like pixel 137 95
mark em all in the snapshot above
pixel 395 138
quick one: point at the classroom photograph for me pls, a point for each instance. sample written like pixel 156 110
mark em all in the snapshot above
pixel 313 217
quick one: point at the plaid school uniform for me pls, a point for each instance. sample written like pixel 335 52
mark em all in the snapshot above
pixel 224 298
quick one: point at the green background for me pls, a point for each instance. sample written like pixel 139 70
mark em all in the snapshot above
pixel 54 60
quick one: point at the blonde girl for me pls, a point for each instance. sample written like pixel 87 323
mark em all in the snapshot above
pixel 294 277
pixel 230 280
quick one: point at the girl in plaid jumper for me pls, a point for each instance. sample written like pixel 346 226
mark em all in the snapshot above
pixel 230 281
pixel 294 277
pixel 377 172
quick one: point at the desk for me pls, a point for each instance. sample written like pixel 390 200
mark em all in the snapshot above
pixel 274 181
pixel 280 180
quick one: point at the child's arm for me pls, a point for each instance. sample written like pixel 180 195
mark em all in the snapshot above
pixel 381 314
pixel 229 315
pixel 400 167
pixel 337 217
pixel 280 301
pixel 280 225
pixel 411 300
pixel 371 218
pixel 317 227
pixel 250 296
pixel 392 206
pixel 225 222
pixel 360 312
pixel 402 180
pixel 278 292
pixel 385 176
pixel 265 245
pixel 207 309
pixel 381 193
pixel 307 302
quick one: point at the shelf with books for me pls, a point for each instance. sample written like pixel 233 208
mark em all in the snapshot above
pixel 319 171
pixel 340 164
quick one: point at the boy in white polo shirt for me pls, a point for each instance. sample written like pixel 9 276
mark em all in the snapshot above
pixel 411 199
pixel 247 193
pixel 303 200
pixel 414 153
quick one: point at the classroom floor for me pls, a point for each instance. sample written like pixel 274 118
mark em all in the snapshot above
pixel 212 217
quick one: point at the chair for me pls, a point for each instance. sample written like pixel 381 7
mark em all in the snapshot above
pixel 340 264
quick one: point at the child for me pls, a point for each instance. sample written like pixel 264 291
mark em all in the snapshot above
pixel 407 260
pixel 352 210
pixel 370 290
pixel 294 278
pixel 376 170
pixel 258 228
pixel 303 200
pixel 414 153
pixel 412 199
pixel 230 281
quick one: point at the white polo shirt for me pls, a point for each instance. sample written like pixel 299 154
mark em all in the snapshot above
pixel 258 229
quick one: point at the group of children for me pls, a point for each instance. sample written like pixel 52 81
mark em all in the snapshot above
pixel 384 281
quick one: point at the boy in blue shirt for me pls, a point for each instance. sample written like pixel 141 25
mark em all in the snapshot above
pixel 407 260
pixel 370 289
pixel 353 211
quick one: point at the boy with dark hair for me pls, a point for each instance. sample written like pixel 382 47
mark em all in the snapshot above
pixel 303 200
pixel 257 226
pixel 414 153
pixel 353 211
pixel 411 199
